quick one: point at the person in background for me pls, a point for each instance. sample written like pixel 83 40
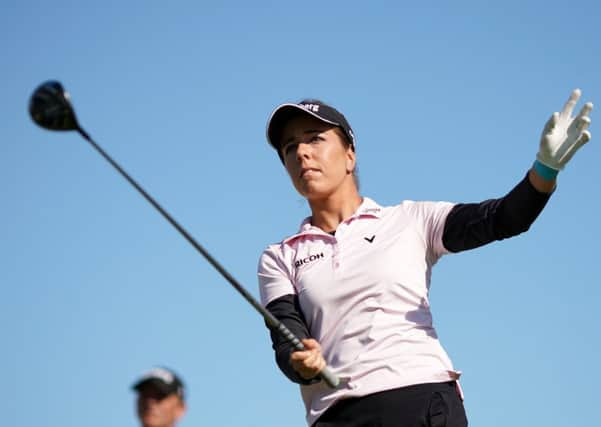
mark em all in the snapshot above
pixel 160 398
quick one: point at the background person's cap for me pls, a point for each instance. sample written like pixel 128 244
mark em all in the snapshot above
pixel 315 108
pixel 162 379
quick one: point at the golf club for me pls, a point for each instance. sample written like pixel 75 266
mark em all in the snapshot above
pixel 50 107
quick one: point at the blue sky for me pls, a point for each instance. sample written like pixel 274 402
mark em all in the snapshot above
pixel 447 102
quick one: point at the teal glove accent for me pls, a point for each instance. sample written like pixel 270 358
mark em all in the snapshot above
pixel 547 173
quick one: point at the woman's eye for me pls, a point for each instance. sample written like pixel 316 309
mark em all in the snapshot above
pixel 289 148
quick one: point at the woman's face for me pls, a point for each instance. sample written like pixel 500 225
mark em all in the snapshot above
pixel 316 157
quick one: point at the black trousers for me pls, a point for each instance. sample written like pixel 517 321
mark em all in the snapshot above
pixel 422 405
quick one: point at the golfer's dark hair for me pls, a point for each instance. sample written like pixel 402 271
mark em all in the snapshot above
pixel 348 144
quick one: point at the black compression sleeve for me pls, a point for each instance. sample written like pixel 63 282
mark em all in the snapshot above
pixel 287 310
pixel 470 225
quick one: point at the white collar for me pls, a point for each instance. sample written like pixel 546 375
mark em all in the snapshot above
pixel 367 208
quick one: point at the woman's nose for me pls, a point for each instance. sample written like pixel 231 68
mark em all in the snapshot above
pixel 302 150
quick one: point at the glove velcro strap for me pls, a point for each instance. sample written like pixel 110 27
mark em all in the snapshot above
pixel 547 173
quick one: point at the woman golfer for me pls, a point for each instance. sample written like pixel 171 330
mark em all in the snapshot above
pixel 353 281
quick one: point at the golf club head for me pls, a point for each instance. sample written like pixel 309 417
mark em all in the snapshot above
pixel 50 108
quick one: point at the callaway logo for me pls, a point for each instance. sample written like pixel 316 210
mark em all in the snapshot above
pixel 311 107
pixel 307 260
pixel 370 239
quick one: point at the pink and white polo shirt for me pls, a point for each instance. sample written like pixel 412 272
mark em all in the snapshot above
pixel 364 294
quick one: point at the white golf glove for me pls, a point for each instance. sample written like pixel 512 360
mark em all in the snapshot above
pixel 563 134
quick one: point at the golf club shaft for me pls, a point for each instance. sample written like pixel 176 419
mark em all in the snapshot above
pixel 270 319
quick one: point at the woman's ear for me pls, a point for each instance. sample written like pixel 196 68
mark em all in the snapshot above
pixel 351 160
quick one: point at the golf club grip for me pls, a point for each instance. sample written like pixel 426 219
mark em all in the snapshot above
pixel 271 320
pixel 330 379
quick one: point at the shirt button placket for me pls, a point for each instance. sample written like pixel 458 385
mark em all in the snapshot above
pixel 336 255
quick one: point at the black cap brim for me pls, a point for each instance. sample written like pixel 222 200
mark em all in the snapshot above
pixel 160 386
pixel 282 115
pixel 155 383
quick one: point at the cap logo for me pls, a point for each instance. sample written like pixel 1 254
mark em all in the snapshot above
pixel 310 107
pixel 162 374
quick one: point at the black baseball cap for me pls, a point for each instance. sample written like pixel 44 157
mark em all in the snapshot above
pixel 163 379
pixel 324 112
